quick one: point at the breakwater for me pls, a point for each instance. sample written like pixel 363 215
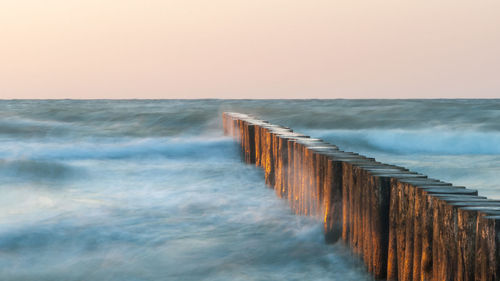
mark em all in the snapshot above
pixel 404 225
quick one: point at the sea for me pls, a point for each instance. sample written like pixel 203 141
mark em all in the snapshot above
pixel 133 190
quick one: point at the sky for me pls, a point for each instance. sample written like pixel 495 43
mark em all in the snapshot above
pixel 249 49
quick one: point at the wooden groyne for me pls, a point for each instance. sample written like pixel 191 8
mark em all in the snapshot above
pixel 404 225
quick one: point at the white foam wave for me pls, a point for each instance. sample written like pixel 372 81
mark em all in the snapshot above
pixel 435 141
pixel 118 148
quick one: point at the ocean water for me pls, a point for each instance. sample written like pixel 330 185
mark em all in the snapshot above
pixel 152 190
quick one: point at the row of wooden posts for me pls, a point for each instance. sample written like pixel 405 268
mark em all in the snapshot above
pixel 404 225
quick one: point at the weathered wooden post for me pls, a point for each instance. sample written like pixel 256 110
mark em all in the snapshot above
pixel 403 225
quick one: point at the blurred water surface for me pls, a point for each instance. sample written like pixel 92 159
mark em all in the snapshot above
pixel 151 190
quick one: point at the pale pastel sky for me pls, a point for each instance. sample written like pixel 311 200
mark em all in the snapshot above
pixel 249 49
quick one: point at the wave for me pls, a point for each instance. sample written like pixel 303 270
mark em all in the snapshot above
pixel 120 148
pixel 428 141
pixel 63 118
pixel 456 114
pixel 168 118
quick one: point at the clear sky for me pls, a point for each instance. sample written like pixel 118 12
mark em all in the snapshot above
pixel 249 49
